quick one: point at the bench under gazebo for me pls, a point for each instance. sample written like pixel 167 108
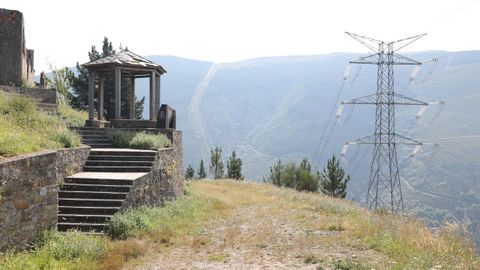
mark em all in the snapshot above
pixel 125 64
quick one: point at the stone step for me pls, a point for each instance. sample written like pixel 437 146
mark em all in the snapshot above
pixel 91 132
pixel 101 145
pixel 98 181
pixel 87 210
pixel 76 218
pixel 95 187
pixel 92 195
pixel 89 202
pixel 94 136
pixel 84 227
pixel 132 158
pixel 117 169
pixel 119 163
pixel 145 153
pixel 96 140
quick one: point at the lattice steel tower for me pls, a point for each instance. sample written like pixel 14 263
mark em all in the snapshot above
pixel 384 188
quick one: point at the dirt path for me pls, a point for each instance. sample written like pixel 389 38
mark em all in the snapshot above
pixel 260 232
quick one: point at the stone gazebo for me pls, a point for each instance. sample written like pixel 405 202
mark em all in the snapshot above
pixel 124 63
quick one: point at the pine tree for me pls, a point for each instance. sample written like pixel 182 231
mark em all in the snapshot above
pixel 276 173
pixel 202 174
pixel 333 181
pixel 190 172
pixel 216 163
pixel 234 167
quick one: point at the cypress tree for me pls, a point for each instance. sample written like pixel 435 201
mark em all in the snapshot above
pixel 234 167
pixel 333 181
pixel 201 170
pixel 190 172
pixel 216 163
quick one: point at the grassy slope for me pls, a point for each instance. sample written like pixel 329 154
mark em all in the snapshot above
pixel 24 129
pixel 233 225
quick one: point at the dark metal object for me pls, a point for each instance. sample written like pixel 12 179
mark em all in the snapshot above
pixel 167 117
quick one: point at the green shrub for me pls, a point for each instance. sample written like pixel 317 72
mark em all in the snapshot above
pixel 138 140
pixel 149 141
pixel 121 138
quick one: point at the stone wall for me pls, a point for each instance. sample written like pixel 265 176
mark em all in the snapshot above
pixel 29 194
pixel 16 62
pixel 165 181
pixel 38 94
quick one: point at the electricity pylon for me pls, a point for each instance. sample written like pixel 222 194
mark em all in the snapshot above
pixel 384 187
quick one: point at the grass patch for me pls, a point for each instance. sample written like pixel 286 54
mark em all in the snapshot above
pixel 24 129
pixel 55 250
pixel 138 140
pixel 72 117
pixel 163 223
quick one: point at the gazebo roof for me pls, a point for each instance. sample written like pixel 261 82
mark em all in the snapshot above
pixel 125 58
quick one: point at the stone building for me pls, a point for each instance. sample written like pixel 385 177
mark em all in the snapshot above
pixel 16 62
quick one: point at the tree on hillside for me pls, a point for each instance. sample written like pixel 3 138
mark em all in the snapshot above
pixel 190 172
pixel 79 98
pixel 202 174
pixel 333 181
pixel 293 176
pixel 276 173
pixel 216 163
pixel 234 167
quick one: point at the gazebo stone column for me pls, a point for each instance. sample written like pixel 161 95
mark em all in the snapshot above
pixel 101 97
pixel 91 86
pixel 157 95
pixel 152 95
pixel 118 93
pixel 132 97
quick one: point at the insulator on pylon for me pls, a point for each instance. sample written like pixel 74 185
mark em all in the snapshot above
pixel 414 72
pixel 421 111
pixel 339 111
pixel 347 72
pixel 416 150
pixel 344 150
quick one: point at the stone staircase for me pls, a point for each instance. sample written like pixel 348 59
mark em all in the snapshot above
pixel 89 199
pixel 94 137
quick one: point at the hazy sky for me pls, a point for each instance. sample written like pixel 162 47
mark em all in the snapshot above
pixel 62 32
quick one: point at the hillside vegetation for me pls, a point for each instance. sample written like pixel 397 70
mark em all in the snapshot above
pixel 25 129
pixel 243 225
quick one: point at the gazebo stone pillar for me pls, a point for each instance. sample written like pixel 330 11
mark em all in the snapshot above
pixel 118 93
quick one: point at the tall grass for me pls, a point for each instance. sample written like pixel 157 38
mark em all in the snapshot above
pixel 55 250
pixel 72 117
pixel 172 219
pixel 24 129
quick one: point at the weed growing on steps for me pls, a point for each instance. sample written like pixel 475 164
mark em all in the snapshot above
pixel 72 117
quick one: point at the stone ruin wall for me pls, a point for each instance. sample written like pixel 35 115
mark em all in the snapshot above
pixel 16 62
